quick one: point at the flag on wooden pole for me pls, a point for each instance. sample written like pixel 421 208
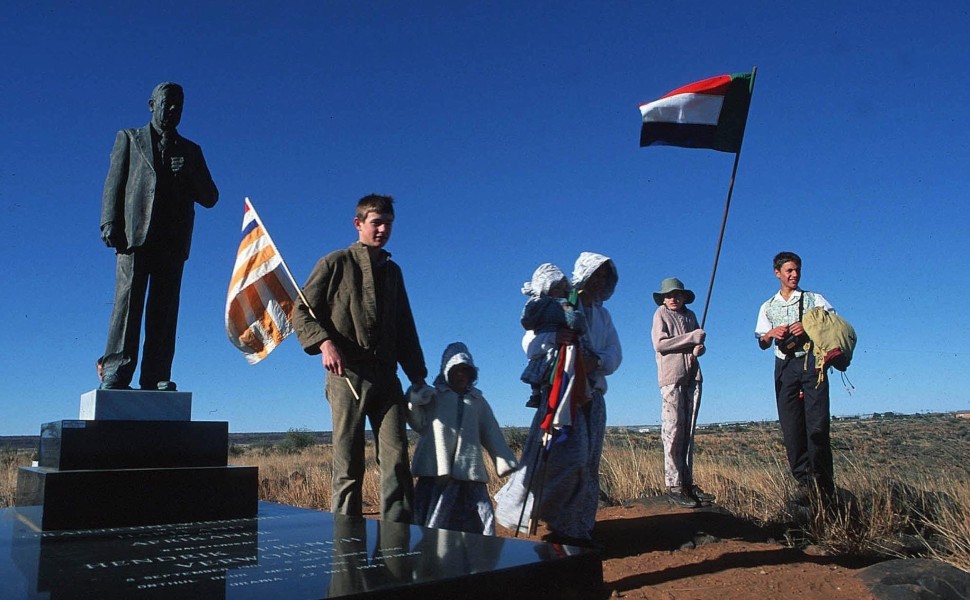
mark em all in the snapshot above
pixel 706 114
pixel 259 305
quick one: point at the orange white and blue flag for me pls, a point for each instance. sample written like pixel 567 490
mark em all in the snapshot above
pixel 259 305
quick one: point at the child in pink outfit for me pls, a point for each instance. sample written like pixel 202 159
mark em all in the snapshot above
pixel 678 342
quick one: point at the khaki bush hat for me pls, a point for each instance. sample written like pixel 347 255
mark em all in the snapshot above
pixel 672 284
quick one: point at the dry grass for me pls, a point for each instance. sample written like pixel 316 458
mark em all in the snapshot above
pixel 896 500
pixel 299 479
pixel 10 462
pixel 883 510
pixel 303 478
pixel 951 528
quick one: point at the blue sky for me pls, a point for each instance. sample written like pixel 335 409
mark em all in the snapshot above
pixel 508 134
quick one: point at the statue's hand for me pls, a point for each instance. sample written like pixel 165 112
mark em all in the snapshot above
pixel 178 163
pixel 107 233
pixel 110 238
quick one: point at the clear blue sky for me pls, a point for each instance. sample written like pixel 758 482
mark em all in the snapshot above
pixel 508 133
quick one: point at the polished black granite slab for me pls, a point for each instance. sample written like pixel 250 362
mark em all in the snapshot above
pixel 56 500
pixel 77 444
pixel 286 553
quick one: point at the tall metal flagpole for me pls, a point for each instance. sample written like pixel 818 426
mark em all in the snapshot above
pixel 296 286
pixel 727 206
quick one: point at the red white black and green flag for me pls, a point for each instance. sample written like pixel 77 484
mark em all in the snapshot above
pixel 705 114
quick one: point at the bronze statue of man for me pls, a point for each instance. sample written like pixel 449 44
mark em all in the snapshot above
pixel 147 212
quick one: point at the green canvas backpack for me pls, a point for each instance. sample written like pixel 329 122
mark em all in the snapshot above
pixel 834 339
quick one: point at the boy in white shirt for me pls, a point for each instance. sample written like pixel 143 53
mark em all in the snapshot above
pixel 803 400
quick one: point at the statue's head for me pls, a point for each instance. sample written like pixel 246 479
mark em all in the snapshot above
pixel 166 105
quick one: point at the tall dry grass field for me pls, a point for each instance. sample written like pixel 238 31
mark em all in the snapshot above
pixel 303 478
pixel 10 461
pixel 903 490
pixel 904 481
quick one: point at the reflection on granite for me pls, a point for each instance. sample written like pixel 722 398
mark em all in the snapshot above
pixel 288 553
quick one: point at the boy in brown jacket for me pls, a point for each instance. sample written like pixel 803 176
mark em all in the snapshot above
pixel 678 341
pixel 359 319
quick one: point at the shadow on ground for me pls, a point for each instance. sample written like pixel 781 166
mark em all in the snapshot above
pixel 668 529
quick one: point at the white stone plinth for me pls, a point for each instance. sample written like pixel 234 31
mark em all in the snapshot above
pixel 135 405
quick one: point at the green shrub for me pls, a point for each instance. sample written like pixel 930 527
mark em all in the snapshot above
pixel 296 440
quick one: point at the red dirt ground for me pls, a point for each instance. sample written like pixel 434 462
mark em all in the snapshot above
pixel 654 550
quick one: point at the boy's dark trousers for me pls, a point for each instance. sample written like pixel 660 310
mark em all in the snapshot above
pixel 382 403
pixel 805 421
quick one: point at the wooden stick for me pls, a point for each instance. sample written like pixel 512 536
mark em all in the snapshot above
pixel 352 390
pixel 296 286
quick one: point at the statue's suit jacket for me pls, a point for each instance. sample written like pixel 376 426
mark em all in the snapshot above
pixel 129 189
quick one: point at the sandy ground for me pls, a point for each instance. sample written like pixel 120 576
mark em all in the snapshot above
pixel 654 550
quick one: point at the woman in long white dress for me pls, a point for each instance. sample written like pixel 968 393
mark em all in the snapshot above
pixel 569 479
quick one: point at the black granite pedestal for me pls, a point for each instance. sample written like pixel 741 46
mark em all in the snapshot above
pixel 117 470
pixel 73 445
pixel 81 499
pixel 286 553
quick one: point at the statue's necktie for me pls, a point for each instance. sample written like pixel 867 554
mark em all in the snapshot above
pixel 165 146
